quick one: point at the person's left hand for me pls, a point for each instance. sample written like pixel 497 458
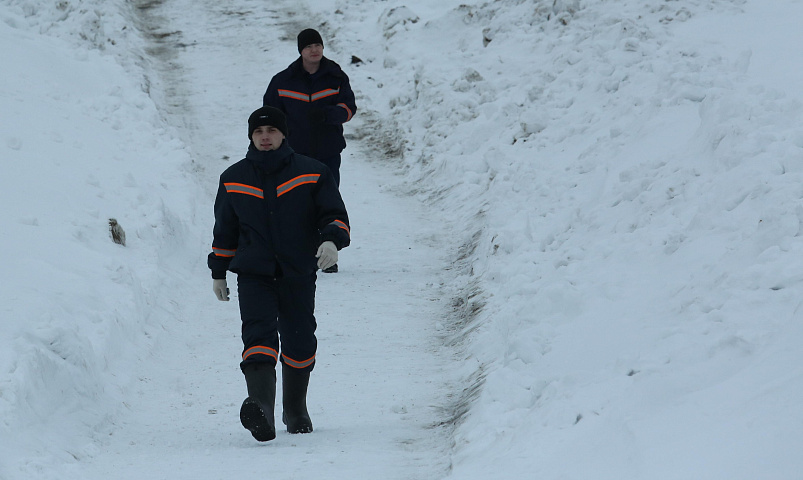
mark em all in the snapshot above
pixel 316 115
pixel 219 287
pixel 327 255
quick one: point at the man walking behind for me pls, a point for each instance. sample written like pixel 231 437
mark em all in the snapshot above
pixel 316 96
pixel 278 217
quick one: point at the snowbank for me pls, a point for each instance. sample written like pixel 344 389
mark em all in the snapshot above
pixel 629 196
pixel 81 143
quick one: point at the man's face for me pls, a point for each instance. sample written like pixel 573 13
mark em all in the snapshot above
pixel 267 137
pixel 312 53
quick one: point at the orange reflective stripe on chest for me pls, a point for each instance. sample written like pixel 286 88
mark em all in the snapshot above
pixel 304 97
pixel 294 95
pixel 298 181
pixel 244 189
pixel 324 93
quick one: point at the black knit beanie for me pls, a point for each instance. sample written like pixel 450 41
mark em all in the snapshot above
pixel 308 37
pixel 267 116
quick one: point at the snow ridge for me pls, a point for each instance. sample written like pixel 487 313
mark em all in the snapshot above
pixel 629 201
pixel 82 308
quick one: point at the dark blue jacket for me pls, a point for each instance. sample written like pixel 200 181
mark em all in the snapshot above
pixel 274 209
pixel 297 93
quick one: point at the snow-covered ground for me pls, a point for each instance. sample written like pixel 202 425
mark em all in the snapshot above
pixel 576 240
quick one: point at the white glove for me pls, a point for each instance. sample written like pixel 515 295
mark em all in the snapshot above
pixel 327 255
pixel 219 287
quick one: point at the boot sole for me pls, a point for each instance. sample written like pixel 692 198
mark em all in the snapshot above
pixel 253 419
pixel 301 426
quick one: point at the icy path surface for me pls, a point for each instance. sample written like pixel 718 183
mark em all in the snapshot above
pixel 381 378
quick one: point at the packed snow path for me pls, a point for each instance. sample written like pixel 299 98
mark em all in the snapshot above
pixel 379 383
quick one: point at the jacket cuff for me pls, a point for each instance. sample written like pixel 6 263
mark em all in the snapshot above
pixel 331 238
pixel 219 274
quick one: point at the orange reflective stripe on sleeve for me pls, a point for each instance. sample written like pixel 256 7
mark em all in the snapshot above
pixel 245 189
pixel 223 252
pixel 342 225
pixel 296 364
pixel 260 350
pixel 348 110
pixel 295 182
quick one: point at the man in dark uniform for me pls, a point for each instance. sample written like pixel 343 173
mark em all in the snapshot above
pixel 278 218
pixel 315 95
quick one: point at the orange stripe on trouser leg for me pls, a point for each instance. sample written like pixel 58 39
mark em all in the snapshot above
pixel 298 364
pixel 260 350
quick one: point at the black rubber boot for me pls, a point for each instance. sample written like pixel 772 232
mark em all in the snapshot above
pixel 294 400
pixel 256 414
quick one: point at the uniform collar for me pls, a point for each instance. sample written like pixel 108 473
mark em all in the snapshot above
pixel 326 67
pixel 272 160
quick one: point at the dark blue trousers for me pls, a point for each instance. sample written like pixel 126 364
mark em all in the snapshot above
pixel 274 311
pixel 334 165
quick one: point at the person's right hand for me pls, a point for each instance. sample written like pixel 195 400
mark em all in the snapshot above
pixel 220 289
